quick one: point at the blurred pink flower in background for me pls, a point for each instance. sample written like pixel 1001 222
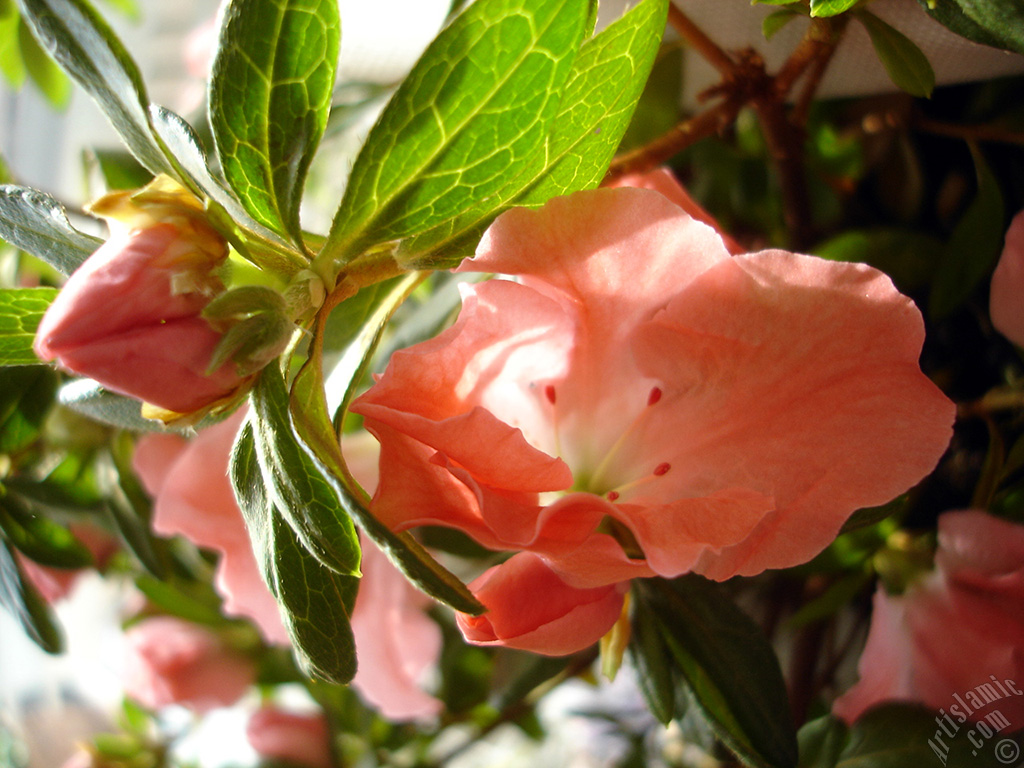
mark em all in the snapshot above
pixel 642 403
pixel 959 628
pixel 129 316
pixel 396 642
pixel 296 738
pixel 170 661
pixel 1006 301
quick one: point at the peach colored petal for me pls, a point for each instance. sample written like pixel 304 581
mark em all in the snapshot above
pixel 792 394
pixel 664 181
pixel 397 643
pixel 530 608
pixel 1006 300
pixel 154 456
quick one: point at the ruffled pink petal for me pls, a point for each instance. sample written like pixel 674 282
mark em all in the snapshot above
pixel 154 456
pixel 794 378
pixel 397 643
pixel 1006 300
pixel 612 258
pixel 530 608
pixel 664 181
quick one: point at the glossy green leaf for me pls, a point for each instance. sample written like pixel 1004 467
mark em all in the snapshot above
pixel 998 23
pixel 38 224
pixel 312 422
pixel 87 49
pixel 473 110
pixel 88 398
pixel 973 247
pixel 295 484
pixel 905 63
pixel 824 8
pixel 316 602
pixel 584 135
pixel 44 73
pixel 130 507
pixel 270 93
pixel 25 604
pixel 728 665
pixel 21 310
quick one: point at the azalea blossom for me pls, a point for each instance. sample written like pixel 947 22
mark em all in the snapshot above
pixel 911 655
pixel 299 739
pixel 170 661
pixel 396 642
pixel 1006 300
pixel 639 402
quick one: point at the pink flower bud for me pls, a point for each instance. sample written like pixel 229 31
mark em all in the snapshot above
pixel 295 738
pixel 170 661
pixel 129 317
pixel 1006 302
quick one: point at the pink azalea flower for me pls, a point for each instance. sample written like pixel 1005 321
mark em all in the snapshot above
pixel 170 661
pixel 1006 300
pixel 642 403
pixel 397 643
pixel 300 739
pixel 911 654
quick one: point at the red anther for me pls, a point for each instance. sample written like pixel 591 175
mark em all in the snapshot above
pixel 549 393
pixel 613 495
pixel 662 468
pixel 655 396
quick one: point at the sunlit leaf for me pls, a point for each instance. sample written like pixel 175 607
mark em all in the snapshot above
pixel 38 224
pixel 270 93
pixel 21 310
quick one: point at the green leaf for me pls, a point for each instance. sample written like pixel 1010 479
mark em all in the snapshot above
pixel 24 603
pixel 87 49
pixel 824 8
pixel 270 94
pixel 295 484
pixel 21 310
pixel 11 63
pixel 584 135
pixel 998 23
pixel 312 422
pixel 88 398
pixel 906 64
pixel 39 538
pixel 130 508
pixel 26 396
pixel 316 602
pixel 38 224
pixel 973 247
pixel 653 661
pixel 46 75
pixel 473 110
pixel 727 663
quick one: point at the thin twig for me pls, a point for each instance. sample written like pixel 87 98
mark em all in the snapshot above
pixel 975 132
pixel 674 141
pixel 700 42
